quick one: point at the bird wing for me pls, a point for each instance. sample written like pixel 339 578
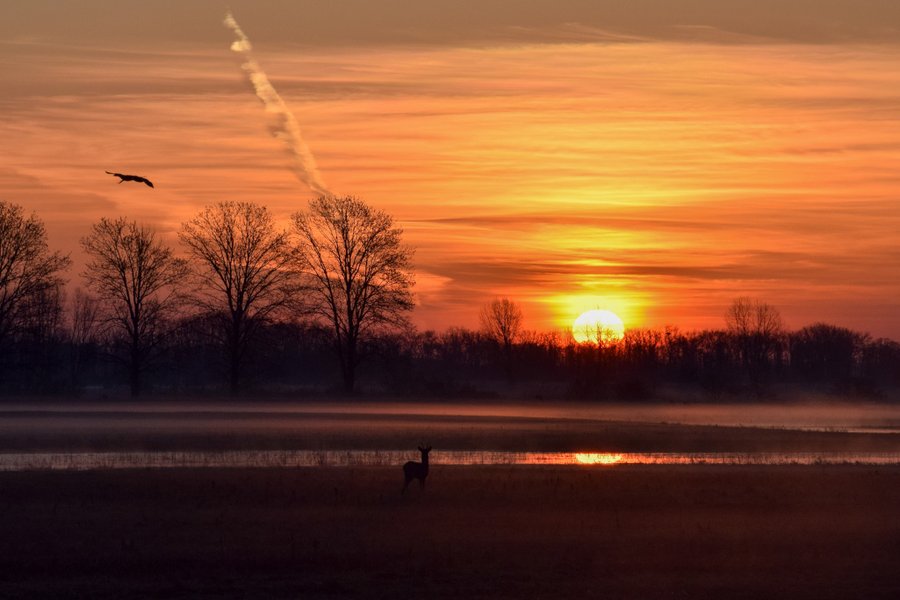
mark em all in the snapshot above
pixel 136 178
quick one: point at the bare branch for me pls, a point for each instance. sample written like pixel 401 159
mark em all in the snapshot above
pixel 501 320
pixel 138 279
pixel 247 271
pixel 358 273
pixel 27 267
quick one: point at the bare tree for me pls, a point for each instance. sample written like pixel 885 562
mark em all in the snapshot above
pixel 756 328
pixel 83 330
pixel 28 270
pixel 39 339
pixel 85 317
pixel 247 271
pixel 360 273
pixel 501 320
pixel 747 316
pixel 137 278
pixel 42 313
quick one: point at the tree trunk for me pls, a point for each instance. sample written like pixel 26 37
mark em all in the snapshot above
pixel 134 372
pixel 234 377
pixel 234 357
pixel 508 361
pixel 349 367
pixel 349 380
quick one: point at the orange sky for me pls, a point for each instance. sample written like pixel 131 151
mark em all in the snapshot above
pixel 657 160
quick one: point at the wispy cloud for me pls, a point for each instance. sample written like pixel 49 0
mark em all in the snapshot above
pixel 524 156
pixel 286 127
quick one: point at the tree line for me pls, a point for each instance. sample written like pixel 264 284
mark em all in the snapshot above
pixel 342 263
pixel 324 304
pixel 754 353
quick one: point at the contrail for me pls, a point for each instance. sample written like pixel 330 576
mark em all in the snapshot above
pixel 287 129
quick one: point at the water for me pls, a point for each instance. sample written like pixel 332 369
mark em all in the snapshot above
pixel 811 416
pixel 83 461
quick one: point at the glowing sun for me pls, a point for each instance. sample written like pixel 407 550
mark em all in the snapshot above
pixel 598 326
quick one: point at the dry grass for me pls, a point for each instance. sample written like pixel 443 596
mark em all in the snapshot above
pixel 492 532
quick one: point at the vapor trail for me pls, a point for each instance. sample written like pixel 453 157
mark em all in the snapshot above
pixel 286 129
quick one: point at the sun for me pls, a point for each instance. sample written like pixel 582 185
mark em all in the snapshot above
pixel 598 326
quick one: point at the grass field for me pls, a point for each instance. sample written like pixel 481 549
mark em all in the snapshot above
pixel 475 532
pixel 483 532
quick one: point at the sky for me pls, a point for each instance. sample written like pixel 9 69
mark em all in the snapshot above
pixel 656 158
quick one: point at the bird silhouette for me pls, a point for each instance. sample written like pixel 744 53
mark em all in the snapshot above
pixel 131 178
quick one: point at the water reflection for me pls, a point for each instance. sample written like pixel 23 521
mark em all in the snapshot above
pixel 595 458
pixel 384 458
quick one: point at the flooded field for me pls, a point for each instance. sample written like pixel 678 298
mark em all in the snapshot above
pixel 374 433
pixel 795 413
pixel 218 499
pixel 84 461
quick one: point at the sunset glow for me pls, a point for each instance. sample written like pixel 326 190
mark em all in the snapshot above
pixel 598 326
pixel 474 299
pixel 550 153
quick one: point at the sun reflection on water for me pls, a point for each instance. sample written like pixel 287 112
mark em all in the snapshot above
pixel 597 458
pixel 81 461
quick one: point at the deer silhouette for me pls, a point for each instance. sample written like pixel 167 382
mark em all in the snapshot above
pixel 416 470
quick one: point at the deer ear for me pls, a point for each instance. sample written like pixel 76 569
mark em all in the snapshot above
pixel 421 449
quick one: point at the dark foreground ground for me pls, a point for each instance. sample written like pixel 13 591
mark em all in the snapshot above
pixel 476 532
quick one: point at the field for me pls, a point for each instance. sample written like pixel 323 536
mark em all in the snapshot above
pixel 477 532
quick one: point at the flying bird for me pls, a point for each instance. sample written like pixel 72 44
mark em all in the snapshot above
pixel 131 178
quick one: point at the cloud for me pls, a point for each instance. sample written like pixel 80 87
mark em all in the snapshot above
pixel 286 127
pixel 34 195
pixel 527 153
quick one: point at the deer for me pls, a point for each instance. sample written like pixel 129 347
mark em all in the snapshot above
pixel 416 470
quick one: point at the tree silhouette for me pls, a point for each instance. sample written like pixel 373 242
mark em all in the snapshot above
pixel 137 278
pixel 756 328
pixel 501 320
pixel 28 270
pixel 359 273
pixel 826 352
pixel 40 339
pixel 247 271
pixel 83 325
